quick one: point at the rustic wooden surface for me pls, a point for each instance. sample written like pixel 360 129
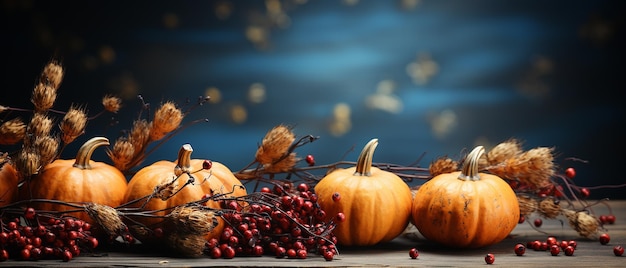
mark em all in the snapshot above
pixel 589 253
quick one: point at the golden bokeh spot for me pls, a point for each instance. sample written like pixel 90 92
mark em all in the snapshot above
pixel 223 10
pixel 532 84
pixel 443 123
pixel 422 69
pixel 339 128
pixel 409 4
pixel 107 54
pixel 126 86
pixel 257 35
pixel 171 21
pixel 341 111
pixel 340 123
pixel 238 114
pixel 214 93
pixel 256 93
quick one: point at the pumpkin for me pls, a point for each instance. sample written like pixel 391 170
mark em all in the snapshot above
pixel 466 209
pixel 8 183
pixel 376 203
pixel 76 181
pixel 217 179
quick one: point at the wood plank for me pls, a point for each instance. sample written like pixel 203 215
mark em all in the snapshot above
pixel 589 253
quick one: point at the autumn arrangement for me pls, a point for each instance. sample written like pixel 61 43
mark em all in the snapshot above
pixel 281 204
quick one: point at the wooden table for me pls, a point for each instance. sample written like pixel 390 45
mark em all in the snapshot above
pixel 589 253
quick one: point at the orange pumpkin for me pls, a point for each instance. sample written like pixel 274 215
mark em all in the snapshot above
pixel 466 209
pixel 217 179
pixel 376 203
pixel 77 180
pixel 8 183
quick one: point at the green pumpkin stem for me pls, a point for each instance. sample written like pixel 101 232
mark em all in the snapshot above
pixel 184 159
pixel 364 162
pixel 469 172
pixel 86 150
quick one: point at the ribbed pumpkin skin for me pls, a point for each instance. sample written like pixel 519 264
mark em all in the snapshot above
pixel 221 180
pixel 95 182
pixel 60 180
pixel 377 207
pixel 465 214
pixel 8 184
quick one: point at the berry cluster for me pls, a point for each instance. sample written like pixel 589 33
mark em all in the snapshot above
pixel 32 237
pixel 285 221
pixel 550 244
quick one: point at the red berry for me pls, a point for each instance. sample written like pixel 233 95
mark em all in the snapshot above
pixel 569 251
pixel 584 192
pixel 538 222
pixel 328 255
pixel 520 249
pixel 4 255
pixel 414 253
pixel 551 240
pixel 310 160
pixel 207 164
pixel 228 253
pixel 618 250
pixel 301 254
pixel 604 239
pixel 563 244
pixel 303 187
pixel 340 217
pixel 215 253
pixel 522 219
pixel 573 243
pixel 610 219
pixel 490 258
pixel 66 256
pixel 266 190
pixel 291 253
pixel 336 197
pixel 29 213
pixel 555 250
pixel 570 173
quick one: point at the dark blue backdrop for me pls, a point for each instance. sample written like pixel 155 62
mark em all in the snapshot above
pixel 549 73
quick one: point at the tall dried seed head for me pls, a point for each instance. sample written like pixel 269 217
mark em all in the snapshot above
pixel 139 135
pixel 122 154
pixel 192 220
pixel 27 163
pixel 442 165
pixel 275 144
pixel 39 125
pixel 111 103
pixel 107 217
pixel 48 147
pixel 166 119
pixel 73 124
pixel 549 208
pixel 12 131
pixel 527 205
pixel 283 165
pixel 43 97
pixel 503 151
pixel 536 167
pixel 585 224
pixel 52 74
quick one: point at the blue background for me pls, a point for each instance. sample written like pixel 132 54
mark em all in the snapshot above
pixel 549 73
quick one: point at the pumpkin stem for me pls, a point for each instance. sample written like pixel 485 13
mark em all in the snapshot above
pixel 364 162
pixel 470 165
pixel 184 159
pixel 86 150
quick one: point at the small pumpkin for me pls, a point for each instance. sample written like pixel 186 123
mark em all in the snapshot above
pixel 8 183
pixel 466 209
pixel 217 179
pixel 77 180
pixel 376 203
